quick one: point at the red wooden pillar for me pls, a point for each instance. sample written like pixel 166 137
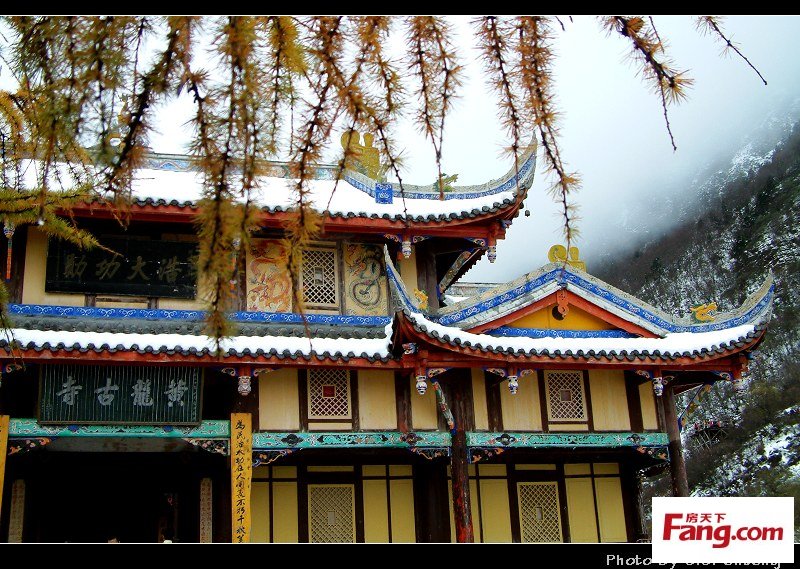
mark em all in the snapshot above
pixel 460 406
pixel 462 508
pixel 677 465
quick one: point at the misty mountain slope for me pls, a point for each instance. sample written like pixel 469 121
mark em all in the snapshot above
pixel 750 229
pixel 723 185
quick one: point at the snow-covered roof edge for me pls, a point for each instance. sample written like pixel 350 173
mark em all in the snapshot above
pixel 529 288
pixel 196 344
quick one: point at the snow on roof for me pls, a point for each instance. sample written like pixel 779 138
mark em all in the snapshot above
pixel 270 345
pixel 176 180
pixel 507 298
pixel 276 194
pixel 673 344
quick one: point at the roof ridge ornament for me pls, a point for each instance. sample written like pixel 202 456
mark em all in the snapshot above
pixel 558 254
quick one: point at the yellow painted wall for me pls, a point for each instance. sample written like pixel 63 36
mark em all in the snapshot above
pixel 535 467
pixel 183 303
pixel 648 402
pixel 423 408
pixel 376 399
pixel 33 278
pixel 401 494
pixel 522 412
pixel 577 468
pixel 492 469
pixel 496 511
pixel 567 428
pixel 609 400
pixel 259 504
pixel 605 468
pixel 284 503
pixel 580 505
pixel 479 400
pixel 330 426
pixel 376 512
pixel 408 272
pixel 610 510
pixel 576 319
pixel 279 401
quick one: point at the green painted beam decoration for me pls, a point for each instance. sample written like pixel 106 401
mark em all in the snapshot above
pixel 387 439
pixel 30 428
pixel 565 440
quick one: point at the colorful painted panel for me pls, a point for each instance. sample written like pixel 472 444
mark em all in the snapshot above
pixel 364 280
pixel 269 286
pixel 30 428
pixel 571 440
pixel 389 439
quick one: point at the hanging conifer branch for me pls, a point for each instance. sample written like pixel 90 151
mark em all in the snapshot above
pixel 667 82
pixel 433 62
pixel 713 25
pixel 495 44
pixel 534 76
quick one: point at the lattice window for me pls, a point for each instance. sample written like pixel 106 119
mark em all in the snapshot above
pixel 329 394
pixel 539 513
pixel 566 399
pixel 331 513
pixel 320 278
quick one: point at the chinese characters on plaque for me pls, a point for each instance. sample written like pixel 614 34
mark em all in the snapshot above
pixel 117 394
pixel 241 475
pixel 138 267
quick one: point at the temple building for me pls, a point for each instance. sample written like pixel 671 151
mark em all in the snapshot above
pixel 401 407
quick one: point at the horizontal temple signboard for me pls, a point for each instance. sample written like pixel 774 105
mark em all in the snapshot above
pixel 132 395
pixel 136 267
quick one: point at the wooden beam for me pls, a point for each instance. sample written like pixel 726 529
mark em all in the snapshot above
pixel 463 227
pixel 677 464
pixel 210 360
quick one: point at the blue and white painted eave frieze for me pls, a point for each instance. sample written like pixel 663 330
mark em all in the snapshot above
pixel 521 178
pixel 90 312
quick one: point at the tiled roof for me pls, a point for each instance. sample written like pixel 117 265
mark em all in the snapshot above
pixel 280 339
pixel 734 331
pixel 170 180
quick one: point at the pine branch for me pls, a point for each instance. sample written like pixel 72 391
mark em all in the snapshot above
pixel 645 43
pixel 712 24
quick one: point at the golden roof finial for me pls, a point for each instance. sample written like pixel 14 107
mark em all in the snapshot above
pixel 558 254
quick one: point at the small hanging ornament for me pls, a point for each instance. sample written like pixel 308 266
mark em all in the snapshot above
pixel 492 253
pixel 245 387
pixel 658 386
pixel 422 384
pixel 513 384
pixel 8 231
pixel 405 248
